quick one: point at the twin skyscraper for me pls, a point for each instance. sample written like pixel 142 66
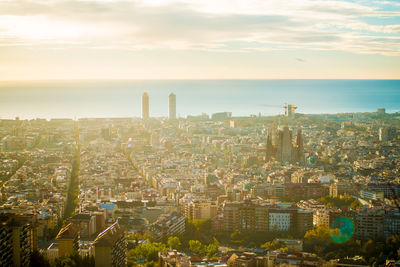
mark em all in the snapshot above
pixel 171 106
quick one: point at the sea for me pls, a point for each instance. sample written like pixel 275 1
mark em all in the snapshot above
pixel 122 98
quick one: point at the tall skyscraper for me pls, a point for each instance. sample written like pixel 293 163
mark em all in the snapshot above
pixel 172 106
pixel 145 106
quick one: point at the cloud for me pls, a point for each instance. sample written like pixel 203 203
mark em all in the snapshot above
pixel 200 25
pixel 397 4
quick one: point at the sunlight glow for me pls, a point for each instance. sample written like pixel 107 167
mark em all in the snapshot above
pixel 41 28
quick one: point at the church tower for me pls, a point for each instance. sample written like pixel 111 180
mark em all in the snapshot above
pixel 299 146
pixel 269 153
pixel 286 143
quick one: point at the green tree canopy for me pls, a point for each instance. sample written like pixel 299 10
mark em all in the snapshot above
pixel 174 242
pixel 341 202
pixel 211 251
pixel 237 237
pixel 147 251
pixel 319 234
pixel 196 246
pixel 74 260
pixel 271 245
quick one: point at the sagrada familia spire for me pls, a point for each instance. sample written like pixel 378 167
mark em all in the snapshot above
pixel 284 150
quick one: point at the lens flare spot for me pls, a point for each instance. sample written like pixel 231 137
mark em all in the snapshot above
pixel 341 230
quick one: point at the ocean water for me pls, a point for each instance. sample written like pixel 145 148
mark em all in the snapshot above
pixel 81 99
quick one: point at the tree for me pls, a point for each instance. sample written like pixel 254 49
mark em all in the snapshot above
pixel 197 230
pixel 196 246
pixel 38 259
pixel 148 252
pixel 271 245
pixel 355 204
pixel 215 241
pixel 320 234
pixel 75 260
pixel 174 242
pixel 317 239
pixel 151 264
pixel 237 237
pixel 341 202
pixel 369 248
pixel 73 188
pixel 211 251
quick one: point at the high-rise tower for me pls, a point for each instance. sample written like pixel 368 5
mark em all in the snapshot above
pixel 172 106
pixel 145 106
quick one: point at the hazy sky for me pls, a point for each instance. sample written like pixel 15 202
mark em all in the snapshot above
pixel 200 39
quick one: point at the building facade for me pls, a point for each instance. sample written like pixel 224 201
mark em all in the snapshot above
pixel 68 239
pixel 17 239
pixel 249 216
pixel 110 247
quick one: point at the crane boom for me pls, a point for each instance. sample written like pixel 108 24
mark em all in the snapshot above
pixel 285 106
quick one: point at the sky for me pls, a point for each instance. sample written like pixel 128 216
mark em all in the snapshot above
pixel 199 39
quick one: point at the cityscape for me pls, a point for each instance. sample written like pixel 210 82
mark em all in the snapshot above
pixel 199 133
pixel 284 190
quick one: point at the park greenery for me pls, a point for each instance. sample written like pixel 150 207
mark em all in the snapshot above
pixel 174 242
pixel 70 260
pixel 199 240
pixel 146 252
pixel 375 252
pixel 74 260
pixel 73 188
pixel 272 245
pixel 200 230
pixel 342 202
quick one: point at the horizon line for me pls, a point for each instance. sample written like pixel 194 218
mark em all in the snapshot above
pixel 198 79
pixel 76 118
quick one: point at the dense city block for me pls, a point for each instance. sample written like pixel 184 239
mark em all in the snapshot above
pixel 293 190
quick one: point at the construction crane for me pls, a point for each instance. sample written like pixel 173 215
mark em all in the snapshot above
pixel 275 106
pixel 290 109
